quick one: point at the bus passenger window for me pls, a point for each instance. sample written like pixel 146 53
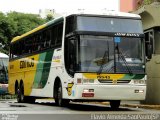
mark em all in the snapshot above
pixel 48 36
pixel 53 36
pixel 59 35
pixel 70 26
pixel 36 42
pixel 44 39
pixel 41 41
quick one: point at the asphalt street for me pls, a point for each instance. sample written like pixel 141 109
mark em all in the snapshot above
pixel 45 109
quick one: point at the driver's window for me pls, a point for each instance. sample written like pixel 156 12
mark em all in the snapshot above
pixel 70 55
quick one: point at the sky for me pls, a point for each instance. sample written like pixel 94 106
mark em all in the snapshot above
pixel 60 6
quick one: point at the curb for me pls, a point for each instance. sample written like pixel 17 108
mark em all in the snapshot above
pixel 157 107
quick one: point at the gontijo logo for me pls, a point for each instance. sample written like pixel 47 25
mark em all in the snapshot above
pixel 27 63
pixel 56 58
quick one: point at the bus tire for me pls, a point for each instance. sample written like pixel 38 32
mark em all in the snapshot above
pixel 115 104
pixel 17 92
pixel 20 94
pixel 59 100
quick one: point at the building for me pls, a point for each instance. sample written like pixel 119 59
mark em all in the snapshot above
pixel 151 25
pixel 129 5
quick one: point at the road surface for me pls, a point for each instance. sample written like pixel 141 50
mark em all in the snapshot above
pixel 46 109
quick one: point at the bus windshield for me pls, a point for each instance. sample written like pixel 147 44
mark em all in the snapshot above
pixel 106 24
pixel 3 70
pixel 123 56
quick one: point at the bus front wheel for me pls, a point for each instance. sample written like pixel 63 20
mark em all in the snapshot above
pixel 115 104
pixel 59 100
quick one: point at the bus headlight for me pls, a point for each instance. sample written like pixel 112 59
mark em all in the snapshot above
pixel 88 80
pixel 81 81
pixel 139 81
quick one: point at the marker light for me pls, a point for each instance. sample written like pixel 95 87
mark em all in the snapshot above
pixel 88 80
pixel 80 81
pixel 139 81
pixel 138 91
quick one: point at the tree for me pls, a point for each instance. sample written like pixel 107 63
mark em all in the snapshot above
pixel 6 32
pixel 49 17
pixel 25 22
pixel 147 2
pixel 15 24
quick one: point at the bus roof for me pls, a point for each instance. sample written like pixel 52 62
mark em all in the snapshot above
pixel 36 29
pixel 2 55
pixel 106 13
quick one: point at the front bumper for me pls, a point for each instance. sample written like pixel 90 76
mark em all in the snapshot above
pixel 110 92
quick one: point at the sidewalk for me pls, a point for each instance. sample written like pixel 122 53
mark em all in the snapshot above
pixel 136 104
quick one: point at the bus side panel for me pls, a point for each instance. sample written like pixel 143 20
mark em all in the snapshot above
pixel 43 70
pixel 14 75
pixel 23 70
pixel 44 79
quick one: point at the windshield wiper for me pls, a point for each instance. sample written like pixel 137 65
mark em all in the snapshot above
pixel 120 55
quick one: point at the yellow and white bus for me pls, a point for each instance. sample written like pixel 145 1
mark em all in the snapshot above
pixel 80 57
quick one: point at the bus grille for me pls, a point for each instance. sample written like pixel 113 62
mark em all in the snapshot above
pixel 111 81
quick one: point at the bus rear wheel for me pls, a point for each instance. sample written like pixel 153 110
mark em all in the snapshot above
pixel 20 94
pixel 59 100
pixel 115 104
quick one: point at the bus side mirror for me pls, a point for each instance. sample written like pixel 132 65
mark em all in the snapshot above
pixel 149 51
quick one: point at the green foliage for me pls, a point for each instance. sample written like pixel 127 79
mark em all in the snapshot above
pixel 49 17
pixel 141 3
pixel 147 2
pixel 6 31
pixel 25 22
pixel 14 24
